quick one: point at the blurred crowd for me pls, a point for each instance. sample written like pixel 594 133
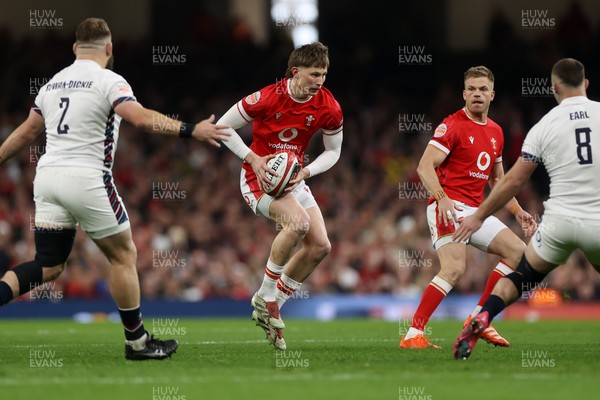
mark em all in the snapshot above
pixel 196 237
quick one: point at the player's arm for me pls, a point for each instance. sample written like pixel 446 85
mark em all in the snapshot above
pixel 495 176
pixel 432 157
pixel 22 136
pixel 325 160
pixel 234 142
pixel 504 190
pixel 154 122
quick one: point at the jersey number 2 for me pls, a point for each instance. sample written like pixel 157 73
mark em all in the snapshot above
pixel 584 147
pixel 64 103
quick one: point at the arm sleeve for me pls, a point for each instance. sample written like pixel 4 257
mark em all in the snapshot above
pixel 327 159
pixel 532 149
pixel 118 90
pixel 234 118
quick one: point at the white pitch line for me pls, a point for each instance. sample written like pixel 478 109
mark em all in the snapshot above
pixel 182 380
pixel 203 342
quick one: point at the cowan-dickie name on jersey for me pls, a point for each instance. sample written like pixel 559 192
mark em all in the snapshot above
pixel 77 104
pixel 472 149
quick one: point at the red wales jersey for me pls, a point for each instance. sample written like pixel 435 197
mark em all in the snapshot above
pixel 472 149
pixel 279 122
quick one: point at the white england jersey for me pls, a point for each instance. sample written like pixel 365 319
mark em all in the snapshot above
pixel 567 142
pixel 77 104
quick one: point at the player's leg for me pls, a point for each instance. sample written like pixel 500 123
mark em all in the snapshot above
pixel 120 251
pixel 552 244
pixel 54 236
pixel 294 222
pixel 53 247
pixel 531 270
pixel 100 211
pixel 452 256
pixel 452 265
pixel 315 247
pixel 494 237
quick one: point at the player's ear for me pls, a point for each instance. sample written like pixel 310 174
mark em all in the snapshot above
pixel 109 49
pixel 586 83
pixel 294 71
pixel 464 95
pixel 75 48
pixel 492 94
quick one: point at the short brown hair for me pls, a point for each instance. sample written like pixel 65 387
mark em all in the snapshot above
pixel 570 71
pixel 309 55
pixel 479 71
pixel 92 30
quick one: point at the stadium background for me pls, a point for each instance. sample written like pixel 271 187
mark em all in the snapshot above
pixel 396 69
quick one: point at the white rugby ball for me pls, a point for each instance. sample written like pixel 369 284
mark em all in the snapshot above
pixel 286 164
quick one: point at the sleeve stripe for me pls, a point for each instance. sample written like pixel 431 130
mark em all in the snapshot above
pixel 332 132
pixel 37 109
pixel 497 160
pixel 122 99
pixel 243 112
pixel 531 157
pixel 439 146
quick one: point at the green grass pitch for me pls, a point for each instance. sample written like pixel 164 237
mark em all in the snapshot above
pixel 344 359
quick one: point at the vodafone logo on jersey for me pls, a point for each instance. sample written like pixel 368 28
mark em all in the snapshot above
pixel 253 98
pixel 483 162
pixel 288 134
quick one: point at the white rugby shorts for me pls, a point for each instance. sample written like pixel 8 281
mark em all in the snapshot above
pixel 260 202
pixel 481 239
pixel 558 236
pixel 67 196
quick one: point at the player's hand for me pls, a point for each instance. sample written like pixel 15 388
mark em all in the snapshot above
pixel 206 131
pixel 468 226
pixel 260 168
pixel 295 181
pixel 447 211
pixel 527 223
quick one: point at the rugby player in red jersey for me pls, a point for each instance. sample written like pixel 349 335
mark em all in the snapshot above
pixel 285 116
pixel 465 154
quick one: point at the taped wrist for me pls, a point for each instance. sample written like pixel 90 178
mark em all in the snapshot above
pixel 186 129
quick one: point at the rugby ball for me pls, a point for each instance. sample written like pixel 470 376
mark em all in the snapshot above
pixel 286 164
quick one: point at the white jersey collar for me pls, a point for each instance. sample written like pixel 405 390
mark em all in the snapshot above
pixel 574 100
pixel 87 62
pixel 468 116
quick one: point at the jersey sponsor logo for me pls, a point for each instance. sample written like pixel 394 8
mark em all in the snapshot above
pixel 287 134
pixel 479 175
pixel 440 131
pixel 483 161
pixel 285 146
pixel 471 139
pixel 253 98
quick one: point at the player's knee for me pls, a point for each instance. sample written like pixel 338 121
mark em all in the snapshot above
pixel 525 278
pixel 512 251
pixel 126 254
pixel 321 249
pixel 51 273
pixel 298 224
